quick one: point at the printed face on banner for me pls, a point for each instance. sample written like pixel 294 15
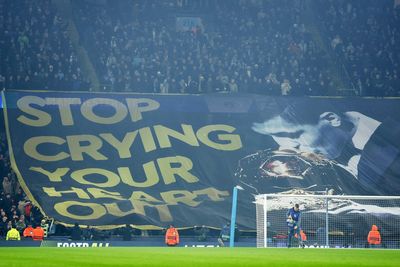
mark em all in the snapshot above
pixel 362 146
pixel 325 137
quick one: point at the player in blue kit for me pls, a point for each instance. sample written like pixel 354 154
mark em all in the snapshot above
pixel 293 222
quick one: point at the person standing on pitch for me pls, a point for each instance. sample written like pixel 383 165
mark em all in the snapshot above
pixel 293 223
pixel 172 236
pixel 374 237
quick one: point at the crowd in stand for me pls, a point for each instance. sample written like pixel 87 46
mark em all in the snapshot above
pixel 365 35
pixel 248 46
pixel 15 208
pixel 36 52
pixel 239 46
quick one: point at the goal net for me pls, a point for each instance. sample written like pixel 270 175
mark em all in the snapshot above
pixel 329 220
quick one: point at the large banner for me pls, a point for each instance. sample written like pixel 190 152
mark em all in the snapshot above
pixel 151 160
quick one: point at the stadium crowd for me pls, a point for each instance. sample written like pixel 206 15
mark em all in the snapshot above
pixel 15 208
pixel 365 35
pixel 176 46
pixel 239 46
pixel 36 52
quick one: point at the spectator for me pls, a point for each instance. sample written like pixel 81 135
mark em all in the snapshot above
pixel 348 235
pixel 20 225
pixel 164 87
pixel 28 232
pixel 7 186
pixel 13 234
pixel 28 209
pixel 127 233
pixel 88 233
pixel 76 232
pixel 233 87
pixel 202 233
pixel 285 87
pixel 45 226
pixel 3 226
pixel 38 234
pixel 19 196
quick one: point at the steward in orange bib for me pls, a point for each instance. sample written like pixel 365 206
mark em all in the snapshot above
pixel 374 237
pixel 172 236
pixel 303 236
pixel 38 233
pixel 28 232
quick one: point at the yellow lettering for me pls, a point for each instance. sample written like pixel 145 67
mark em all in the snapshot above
pixel 123 147
pixel 101 193
pixel 64 107
pixel 97 210
pixel 150 170
pixel 180 196
pixel 137 106
pixel 120 110
pixel 40 118
pixel 212 193
pixel 51 192
pixel 142 196
pixel 112 179
pixel 31 148
pixel 168 172
pixel 147 139
pixel 93 144
pixel 140 200
pixel 53 176
pixel 114 210
pixel 230 141
pixel 163 135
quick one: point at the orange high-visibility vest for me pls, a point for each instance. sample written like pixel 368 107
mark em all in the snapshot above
pixel 28 232
pixel 172 236
pixel 374 237
pixel 302 234
pixel 38 234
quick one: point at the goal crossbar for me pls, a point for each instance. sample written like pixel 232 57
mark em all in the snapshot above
pixel 330 196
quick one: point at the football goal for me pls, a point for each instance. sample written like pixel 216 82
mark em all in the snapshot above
pixel 330 221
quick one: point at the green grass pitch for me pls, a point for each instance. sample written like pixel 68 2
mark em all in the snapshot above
pixel 187 257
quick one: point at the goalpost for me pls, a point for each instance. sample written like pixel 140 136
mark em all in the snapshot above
pixel 328 220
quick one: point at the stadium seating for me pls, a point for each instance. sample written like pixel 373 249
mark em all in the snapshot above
pixel 262 47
